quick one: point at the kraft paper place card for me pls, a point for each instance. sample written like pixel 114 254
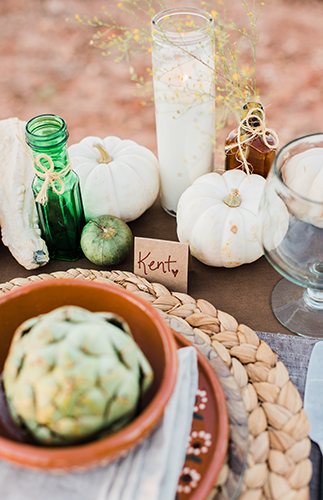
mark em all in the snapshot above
pixel 162 261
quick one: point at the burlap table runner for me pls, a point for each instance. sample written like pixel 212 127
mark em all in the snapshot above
pixel 278 464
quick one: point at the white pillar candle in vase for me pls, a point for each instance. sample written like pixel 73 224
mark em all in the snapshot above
pixel 183 77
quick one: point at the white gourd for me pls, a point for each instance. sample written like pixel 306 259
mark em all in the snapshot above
pixel 303 173
pixel 217 217
pixel 18 216
pixel 117 177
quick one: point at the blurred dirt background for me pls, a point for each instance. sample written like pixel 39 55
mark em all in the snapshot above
pixel 48 65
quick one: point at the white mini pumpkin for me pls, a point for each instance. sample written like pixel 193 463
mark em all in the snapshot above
pixel 117 177
pixel 303 173
pixel 217 217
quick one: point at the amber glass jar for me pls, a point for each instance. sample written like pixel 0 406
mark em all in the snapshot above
pixel 258 145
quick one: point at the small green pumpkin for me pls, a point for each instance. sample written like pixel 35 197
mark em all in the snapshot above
pixel 106 240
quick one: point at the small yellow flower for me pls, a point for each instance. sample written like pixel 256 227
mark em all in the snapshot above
pixel 235 76
pixel 149 49
pixel 77 16
pixel 213 13
pixel 120 4
pixel 136 37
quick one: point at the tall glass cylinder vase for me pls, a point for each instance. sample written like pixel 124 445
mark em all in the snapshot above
pixel 183 77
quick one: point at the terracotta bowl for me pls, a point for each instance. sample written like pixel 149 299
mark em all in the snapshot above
pixel 149 330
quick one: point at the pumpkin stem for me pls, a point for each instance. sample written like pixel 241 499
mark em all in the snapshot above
pixel 233 199
pixel 104 155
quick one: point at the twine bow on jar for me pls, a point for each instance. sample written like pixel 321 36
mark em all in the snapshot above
pixel 252 126
pixel 50 176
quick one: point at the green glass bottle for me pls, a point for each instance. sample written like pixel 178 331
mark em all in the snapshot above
pixel 56 187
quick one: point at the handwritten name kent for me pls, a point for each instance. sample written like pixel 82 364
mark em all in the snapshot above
pixel 165 266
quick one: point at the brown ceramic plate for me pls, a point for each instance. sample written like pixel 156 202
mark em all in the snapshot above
pixel 149 330
pixel 208 442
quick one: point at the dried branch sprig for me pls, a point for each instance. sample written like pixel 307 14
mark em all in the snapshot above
pixel 235 83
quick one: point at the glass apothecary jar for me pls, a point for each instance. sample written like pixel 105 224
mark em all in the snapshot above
pixel 56 187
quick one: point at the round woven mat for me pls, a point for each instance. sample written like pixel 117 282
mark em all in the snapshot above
pixel 278 466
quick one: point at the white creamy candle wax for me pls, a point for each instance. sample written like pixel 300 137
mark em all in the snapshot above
pixel 183 76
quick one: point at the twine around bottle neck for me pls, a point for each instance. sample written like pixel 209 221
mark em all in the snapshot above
pixel 253 126
pixel 47 174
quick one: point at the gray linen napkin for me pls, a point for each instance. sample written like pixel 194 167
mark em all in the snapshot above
pixel 151 470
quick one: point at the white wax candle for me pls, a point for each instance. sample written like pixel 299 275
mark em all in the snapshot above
pixel 185 120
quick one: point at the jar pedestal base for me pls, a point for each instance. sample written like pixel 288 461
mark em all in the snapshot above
pixel 291 310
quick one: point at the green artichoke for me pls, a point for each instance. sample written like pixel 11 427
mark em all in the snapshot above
pixel 71 374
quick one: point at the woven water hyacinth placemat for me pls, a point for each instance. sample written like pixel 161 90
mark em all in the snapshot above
pixel 278 465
